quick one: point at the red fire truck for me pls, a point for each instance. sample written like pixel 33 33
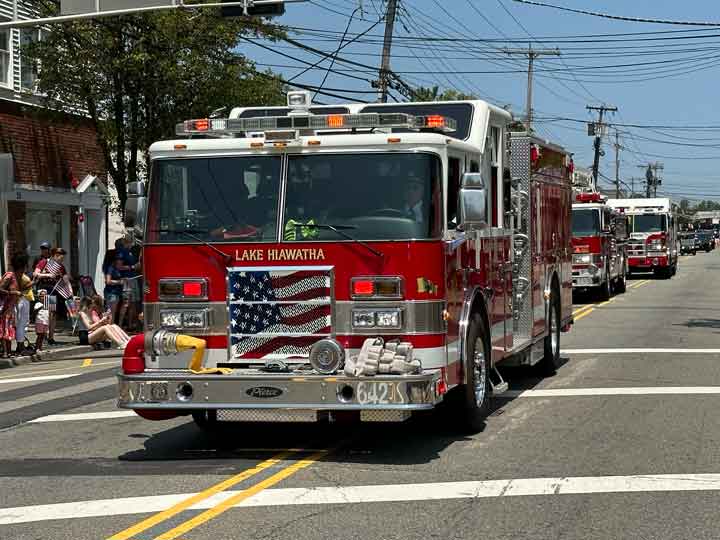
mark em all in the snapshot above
pixel 307 261
pixel 599 245
pixel 653 245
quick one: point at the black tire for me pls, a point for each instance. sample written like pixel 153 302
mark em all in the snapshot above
pixel 621 285
pixel 206 420
pixel 468 410
pixel 606 287
pixel 550 362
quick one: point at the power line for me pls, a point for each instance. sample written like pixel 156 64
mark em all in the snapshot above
pixel 618 17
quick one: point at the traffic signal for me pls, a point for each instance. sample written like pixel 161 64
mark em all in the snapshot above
pixel 255 8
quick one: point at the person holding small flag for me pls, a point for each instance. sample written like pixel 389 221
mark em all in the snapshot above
pixel 53 271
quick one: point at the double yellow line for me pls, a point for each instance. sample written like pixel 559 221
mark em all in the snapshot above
pixel 588 309
pixel 228 503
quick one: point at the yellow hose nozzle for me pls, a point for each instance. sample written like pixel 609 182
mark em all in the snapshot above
pixel 185 343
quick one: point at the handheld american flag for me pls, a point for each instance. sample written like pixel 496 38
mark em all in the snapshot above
pixel 62 287
pixel 278 313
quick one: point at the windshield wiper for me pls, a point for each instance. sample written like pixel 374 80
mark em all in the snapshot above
pixel 189 233
pixel 339 229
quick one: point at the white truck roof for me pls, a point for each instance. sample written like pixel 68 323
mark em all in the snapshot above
pixel 641 206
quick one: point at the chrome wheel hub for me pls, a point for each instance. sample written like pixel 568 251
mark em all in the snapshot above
pixel 480 369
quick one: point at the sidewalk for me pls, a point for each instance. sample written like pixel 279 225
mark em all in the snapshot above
pixel 68 345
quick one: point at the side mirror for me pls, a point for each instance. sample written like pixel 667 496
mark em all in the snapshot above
pixel 472 203
pixel 135 214
pixel 136 189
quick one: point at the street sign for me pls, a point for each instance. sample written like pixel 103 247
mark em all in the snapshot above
pixel 77 7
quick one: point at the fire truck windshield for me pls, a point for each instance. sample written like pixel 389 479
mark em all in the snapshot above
pixel 585 222
pixel 382 196
pixel 649 223
pixel 379 196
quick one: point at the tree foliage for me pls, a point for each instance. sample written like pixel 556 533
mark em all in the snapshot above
pixel 136 76
pixel 433 93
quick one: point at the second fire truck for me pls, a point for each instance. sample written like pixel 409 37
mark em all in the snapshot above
pixel 653 245
pixel 600 234
pixel 379 259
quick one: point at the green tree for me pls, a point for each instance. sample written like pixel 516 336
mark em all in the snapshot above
pixel 137 76
pixel 433 93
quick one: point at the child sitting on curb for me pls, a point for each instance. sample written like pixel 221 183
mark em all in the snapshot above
pixel 95 329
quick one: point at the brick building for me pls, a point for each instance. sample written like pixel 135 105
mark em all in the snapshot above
pixel 40 159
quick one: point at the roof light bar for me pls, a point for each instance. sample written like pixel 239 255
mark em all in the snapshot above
pixel 219 126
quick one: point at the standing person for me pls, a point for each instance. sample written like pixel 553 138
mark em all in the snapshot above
pixel 114 286
pixel 9 296
pixel 131 282
pixel 44 254
pixel 53 272
pixel 22 309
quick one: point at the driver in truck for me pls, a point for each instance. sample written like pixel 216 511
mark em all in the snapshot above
pixel 413 207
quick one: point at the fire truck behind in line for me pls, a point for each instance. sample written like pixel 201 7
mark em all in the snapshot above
pixel 307 261
pixel 599 240
pixel 653 245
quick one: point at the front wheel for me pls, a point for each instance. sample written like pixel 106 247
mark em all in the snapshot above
pixel 621 285
pixel 469 404
pixel 606 287
pixel 206 420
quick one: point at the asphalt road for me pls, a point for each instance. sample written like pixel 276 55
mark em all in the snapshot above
pixel 624 442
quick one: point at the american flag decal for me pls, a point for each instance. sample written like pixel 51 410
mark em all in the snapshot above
pixel 278 313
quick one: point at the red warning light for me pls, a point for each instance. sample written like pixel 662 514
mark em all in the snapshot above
pixel 435 121
pixel 363 287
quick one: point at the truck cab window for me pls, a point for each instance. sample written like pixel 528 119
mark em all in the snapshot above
pixel 223 199
pixel 387 196
pixel 454 187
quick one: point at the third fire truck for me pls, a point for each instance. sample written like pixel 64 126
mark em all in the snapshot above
pixel 600 234
pixel 653 245
pixel 373 260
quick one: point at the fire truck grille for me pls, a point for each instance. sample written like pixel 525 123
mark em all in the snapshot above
pixel 636 249
pixel 278 313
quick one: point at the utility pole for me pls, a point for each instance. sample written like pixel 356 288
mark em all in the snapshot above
pixel 387 45
pixel 617 164
pixel 531 55
pixel 652 179
pixel 597 130
pixel 632 185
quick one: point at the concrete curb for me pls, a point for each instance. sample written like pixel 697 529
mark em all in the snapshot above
pixel 43 356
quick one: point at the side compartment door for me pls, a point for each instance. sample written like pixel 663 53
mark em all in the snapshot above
pixel 540 256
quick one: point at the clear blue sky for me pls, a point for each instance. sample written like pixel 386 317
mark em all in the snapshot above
pixel 671 97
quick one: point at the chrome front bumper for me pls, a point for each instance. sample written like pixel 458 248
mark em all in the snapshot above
pixel 170 389
pixel 583 279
